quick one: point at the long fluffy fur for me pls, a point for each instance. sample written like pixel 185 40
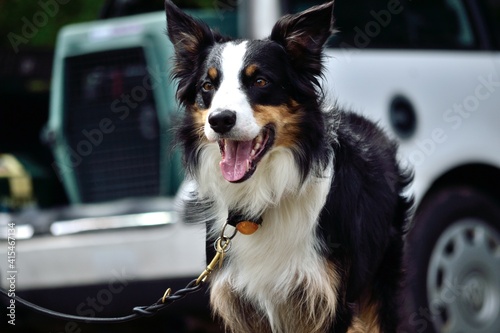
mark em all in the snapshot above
pixel 327 257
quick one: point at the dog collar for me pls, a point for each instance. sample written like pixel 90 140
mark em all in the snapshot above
pixel 244 224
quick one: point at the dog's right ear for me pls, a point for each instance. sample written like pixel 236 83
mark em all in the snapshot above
pixel 304 35
pixel 191 39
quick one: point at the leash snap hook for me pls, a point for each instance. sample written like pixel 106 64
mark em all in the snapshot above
pixel 223 233
pixel 210 267
pixel 222 245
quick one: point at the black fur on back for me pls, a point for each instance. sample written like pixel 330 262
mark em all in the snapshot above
pixel 366 214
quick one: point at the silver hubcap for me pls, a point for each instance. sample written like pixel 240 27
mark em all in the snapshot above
pixel 463 281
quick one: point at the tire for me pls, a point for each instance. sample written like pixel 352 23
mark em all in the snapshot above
pixel 453 260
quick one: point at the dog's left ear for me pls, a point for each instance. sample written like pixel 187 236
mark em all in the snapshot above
pixel 185 32
pixel 304 35
pixel 192 39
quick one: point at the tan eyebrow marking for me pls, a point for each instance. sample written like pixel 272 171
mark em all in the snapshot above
pixel 251 69
pixel 212 73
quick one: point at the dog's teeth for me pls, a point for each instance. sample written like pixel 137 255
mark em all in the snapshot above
pixel 252 154
pixel 259 139
pixel 257 147
pixel 249 165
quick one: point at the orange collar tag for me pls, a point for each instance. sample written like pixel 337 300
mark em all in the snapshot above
pixel 247 227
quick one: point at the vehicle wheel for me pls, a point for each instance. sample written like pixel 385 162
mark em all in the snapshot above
pixel 453 257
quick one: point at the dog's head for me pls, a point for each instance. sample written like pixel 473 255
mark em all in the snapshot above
pixel 250 97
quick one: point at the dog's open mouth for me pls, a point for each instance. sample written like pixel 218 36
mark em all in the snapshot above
pixel 240 158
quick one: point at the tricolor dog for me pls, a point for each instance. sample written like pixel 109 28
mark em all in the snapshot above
pixel 323 185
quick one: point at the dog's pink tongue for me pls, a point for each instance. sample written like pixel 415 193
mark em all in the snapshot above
pixel 236 159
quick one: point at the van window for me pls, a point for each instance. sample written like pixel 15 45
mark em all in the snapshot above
pixel 492 11
pixel 423 24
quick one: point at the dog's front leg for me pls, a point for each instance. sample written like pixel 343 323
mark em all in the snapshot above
pixel 238 316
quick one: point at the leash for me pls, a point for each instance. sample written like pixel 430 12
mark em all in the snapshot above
pixel 222 245
pixel 138 311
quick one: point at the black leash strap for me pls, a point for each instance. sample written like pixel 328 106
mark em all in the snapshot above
pixel 138 311
pixel 222 245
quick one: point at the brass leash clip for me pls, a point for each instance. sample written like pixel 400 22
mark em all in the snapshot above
pixel 222 245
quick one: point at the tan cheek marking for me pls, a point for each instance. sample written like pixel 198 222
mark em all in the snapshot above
pixel 286 120
pixel 200 117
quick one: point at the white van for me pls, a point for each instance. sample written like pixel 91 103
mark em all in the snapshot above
pixel 429 72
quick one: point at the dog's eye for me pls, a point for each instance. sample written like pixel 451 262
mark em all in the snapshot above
pixel 260 82
pixel 207 86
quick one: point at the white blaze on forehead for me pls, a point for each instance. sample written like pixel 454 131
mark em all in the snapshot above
pixel 231 96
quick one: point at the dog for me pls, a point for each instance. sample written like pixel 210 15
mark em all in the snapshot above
pixel 319 190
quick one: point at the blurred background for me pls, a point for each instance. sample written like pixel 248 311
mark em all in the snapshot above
pixel 91 181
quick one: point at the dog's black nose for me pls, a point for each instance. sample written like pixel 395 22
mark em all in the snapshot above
pixel 222 122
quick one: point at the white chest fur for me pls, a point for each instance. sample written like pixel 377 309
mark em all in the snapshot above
pixel 283 256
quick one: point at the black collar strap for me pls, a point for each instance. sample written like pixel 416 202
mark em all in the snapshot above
pixel 244 224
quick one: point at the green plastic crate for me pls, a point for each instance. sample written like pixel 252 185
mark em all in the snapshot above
pixel 96 65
